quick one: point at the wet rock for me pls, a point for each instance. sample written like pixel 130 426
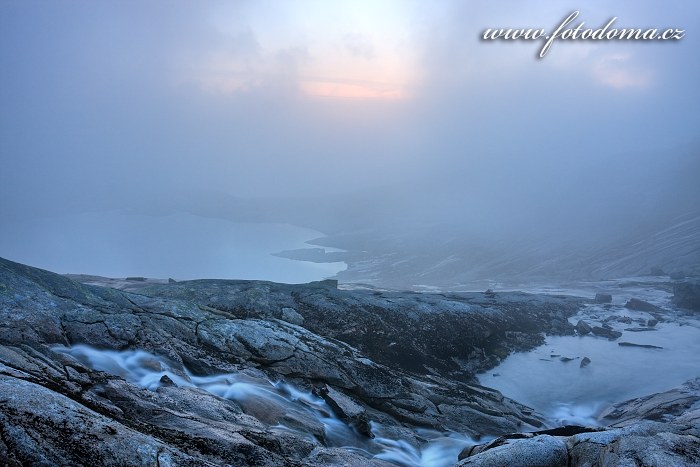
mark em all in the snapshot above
pixel 347 409
pixel 165 381
pixel 583 328
pixel 639 329
pixel 640 305
pixel 687 295
pixel 643 346
pixel 585 362
pixel 606 332
pixel 652 322
pixel 215 327
pixel 603 298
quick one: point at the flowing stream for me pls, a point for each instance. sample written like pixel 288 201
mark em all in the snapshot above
pixel 278 404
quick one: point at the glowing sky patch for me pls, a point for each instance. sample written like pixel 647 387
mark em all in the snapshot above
pixel 353 91
pixel 346 50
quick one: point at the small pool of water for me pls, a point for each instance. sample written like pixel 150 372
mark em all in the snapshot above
pixel 567 393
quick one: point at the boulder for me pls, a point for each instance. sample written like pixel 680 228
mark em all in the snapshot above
pixel 603 298
pixel 347 409
pixel 640 305
pixel 585 362
pixel 583 328
pixel 606 332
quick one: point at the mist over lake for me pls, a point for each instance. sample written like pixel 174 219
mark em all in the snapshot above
pixel 178 246
pixel 354 232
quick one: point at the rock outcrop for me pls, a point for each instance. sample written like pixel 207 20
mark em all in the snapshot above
pixel 262 374
pixel 640 305
pixel 583 328
pixel 658 430
pixel 391 363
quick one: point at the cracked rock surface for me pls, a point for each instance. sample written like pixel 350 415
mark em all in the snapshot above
pixel 388 365
pixel 657 430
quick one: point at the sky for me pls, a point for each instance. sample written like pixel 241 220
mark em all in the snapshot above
pixel 102 102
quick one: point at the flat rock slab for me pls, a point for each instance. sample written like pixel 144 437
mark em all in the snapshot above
pixel 539 451
pixel 643 346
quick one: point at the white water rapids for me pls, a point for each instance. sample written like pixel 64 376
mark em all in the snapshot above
pixel 278 404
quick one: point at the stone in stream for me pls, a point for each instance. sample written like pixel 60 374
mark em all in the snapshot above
pixel 606 332
pixel 346 409
pixel 644 346
pixel 583 328
pixel 585 362
pixel 165 381
pixel 640 305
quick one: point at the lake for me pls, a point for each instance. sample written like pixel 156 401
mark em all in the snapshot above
pixel 180 245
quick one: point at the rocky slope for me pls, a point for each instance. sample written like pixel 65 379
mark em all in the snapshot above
pixel 386 365
pixel 257 373
pixel 657 430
